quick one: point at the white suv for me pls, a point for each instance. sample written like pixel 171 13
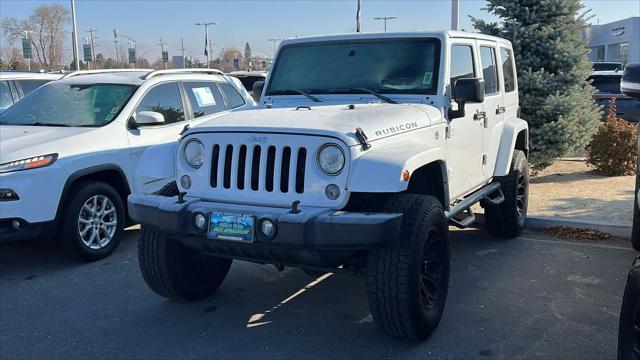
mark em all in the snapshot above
pixel 368 147
pixel 68 151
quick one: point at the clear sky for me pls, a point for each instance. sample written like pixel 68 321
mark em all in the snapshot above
pixel 256 21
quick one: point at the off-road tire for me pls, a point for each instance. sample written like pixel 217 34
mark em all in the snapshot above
pixel 395 272
pixel 76 199
pixel 509 218
pixel 635 232
pixel 173 271
pixel 169 190
pixel 629 329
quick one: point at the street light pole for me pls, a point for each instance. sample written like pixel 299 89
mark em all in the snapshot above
pixel 206 40
pixel 385 19
pixel 455 14
pixel 358 17
pixel 274 44
pixel 76 58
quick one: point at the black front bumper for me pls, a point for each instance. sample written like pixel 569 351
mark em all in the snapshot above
pixel 310 229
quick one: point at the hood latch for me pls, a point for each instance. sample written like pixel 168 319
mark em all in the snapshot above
pixel 362 137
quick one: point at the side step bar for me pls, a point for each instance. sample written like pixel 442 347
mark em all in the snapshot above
pixel 461 214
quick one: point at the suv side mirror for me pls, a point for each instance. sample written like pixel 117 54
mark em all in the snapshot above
pixel 149 118
pixel 464 91
pixel 256 92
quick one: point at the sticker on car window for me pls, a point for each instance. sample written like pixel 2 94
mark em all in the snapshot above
pixel 428 77
pixel 204 96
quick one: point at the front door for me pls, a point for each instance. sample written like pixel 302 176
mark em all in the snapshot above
pixel 464 145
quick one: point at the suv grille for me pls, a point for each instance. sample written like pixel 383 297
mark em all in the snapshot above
pixel 258 168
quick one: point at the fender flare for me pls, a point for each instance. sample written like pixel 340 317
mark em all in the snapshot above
pixel 157 162
pixel 381 170
pixel 510 133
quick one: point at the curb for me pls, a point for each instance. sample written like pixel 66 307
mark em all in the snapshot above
pixel 542 222
pixel 615 229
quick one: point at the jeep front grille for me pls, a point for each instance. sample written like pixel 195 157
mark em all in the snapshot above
pixel 258 168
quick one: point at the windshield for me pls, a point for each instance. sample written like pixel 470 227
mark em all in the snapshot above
pixel 59 104
pixel 607 84
pixel 384 66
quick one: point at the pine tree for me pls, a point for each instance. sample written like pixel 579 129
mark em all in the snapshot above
pixel 247 53
pixel 551 57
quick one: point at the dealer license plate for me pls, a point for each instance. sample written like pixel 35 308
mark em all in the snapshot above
pixel 235 227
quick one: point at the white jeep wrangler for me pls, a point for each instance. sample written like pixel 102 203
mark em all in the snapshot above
pixel 366 148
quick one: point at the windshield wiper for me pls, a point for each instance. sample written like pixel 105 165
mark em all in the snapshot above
pixel 297 91
pixel 39 123
pixel 376 94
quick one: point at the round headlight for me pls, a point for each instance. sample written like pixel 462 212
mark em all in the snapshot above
pixel 331 159
pixel 194 153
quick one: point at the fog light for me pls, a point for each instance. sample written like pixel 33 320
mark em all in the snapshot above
pixel 16 224
pixel 185 181
pixel 332 191
pixel 267 228
pixel 200 221
pixel 8 195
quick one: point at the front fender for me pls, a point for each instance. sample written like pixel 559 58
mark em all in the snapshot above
pixel 156 167
pixel 380 168
pixel 512 129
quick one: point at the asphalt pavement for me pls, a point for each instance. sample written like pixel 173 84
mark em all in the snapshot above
pixel 533 297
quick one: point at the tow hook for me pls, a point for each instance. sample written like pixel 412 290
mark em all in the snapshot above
pixel 294 207
pixel 362 137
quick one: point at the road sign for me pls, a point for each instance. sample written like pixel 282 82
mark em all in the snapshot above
pixel 26 49
pixel 132 55
pixel 165 56
pixel 86 50
pixel 236 63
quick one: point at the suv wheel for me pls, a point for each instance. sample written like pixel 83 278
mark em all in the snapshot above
pixel 629 330
pixel 407 282
pixel 173 271
pixel 508 219
pixel 93 220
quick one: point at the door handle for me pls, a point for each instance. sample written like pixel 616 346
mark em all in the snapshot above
pixel 479 115
pixel 500 110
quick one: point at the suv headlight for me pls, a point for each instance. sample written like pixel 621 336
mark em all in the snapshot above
pixel 29 163
pixel 194 153
pixel 331 159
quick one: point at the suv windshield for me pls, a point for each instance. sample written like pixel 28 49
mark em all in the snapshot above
pixel 56 104
pixel 388 66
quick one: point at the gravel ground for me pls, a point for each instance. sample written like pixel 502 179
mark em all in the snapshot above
pixel 570 188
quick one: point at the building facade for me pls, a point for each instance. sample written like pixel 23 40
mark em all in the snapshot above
pixel 618 41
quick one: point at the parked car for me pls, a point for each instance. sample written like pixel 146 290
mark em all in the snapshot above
pixel 606 66
pixel 607 84
pixel 248 78
pixel 68 151
pixel 358 166
pixel 14 85
pixel 629 327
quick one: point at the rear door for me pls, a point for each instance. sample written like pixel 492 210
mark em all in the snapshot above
pixel 6 95
pixel 28 85
pixel 493 106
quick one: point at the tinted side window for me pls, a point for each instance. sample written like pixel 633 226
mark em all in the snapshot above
pixel 461 63
pixel 30 85
pixel 5 95
pixel 234 98
pixel 489 69
pixel 165 99
pixel 205 98
pixel 508 70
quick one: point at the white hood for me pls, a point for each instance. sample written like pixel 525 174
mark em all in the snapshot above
pixel 376 120
pixel 19 142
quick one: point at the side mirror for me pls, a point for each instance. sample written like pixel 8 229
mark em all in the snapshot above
pixel 256 92
pixel 464 91
pixel 630 84
pixel 149 118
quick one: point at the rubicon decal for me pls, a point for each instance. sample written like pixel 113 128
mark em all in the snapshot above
pixel 397 129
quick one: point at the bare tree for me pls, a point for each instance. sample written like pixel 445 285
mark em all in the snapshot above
pixel 46 27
